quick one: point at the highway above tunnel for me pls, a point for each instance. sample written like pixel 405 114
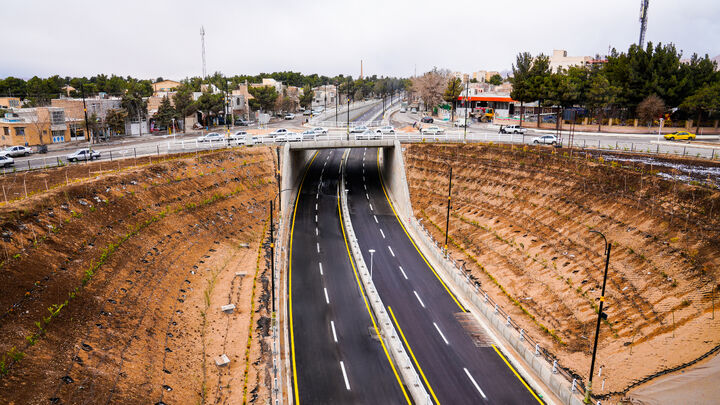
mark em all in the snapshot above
pixel 337 357
pixel 456 360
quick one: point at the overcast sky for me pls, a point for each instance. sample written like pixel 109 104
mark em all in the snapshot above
pixel 154 38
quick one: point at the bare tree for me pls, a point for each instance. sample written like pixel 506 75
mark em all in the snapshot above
pixel 430 87
pixel 650 108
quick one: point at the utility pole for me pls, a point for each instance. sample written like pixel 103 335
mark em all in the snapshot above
pixel 643 21
pixel 336 104
pixel 348 108
pixel 272 257
pixel 227 123
pixel 87 130
pixel 202 41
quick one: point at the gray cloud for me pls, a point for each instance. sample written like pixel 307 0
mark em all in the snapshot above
pixel 161 38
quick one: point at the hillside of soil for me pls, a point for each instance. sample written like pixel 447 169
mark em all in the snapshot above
pixel 521 221
pixel 113 275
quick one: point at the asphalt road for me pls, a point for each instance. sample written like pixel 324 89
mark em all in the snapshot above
pixel 337 358
pixel 458 368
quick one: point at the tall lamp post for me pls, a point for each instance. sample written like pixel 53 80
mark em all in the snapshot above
pixel 467 105
pixel 336 104
pixel 447 218
pixel 601 316
pixel 372 252
pixel 348 108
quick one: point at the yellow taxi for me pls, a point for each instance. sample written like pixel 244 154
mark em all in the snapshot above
pixel 680 135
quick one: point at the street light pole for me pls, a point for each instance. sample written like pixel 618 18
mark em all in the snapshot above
pixel 227 123
pixel 336 104
pixel 372 251
pixel 601 315
pixel 467 105
pixel 348 108
pixel 272 256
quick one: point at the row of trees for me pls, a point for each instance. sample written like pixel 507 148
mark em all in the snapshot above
pixel 642 83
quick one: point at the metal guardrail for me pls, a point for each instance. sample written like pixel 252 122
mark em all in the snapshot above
pixel 450 136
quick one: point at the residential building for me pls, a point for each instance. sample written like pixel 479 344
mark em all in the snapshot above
pixel 560 60
pixel 165 86
pixel 324 96
pixel 10 102
pixel 35 126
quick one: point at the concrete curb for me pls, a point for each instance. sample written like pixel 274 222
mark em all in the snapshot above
pixel 401 359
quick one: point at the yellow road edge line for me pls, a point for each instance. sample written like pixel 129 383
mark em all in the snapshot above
pixel 413 355
pixel 367 306
pixel 517 375
pixel 382 183
pixel 292 332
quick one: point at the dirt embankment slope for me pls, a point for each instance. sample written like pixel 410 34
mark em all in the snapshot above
pixel 112 286
pixel 522 216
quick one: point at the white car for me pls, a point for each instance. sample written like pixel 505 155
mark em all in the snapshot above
pixel 461 122
pixel 16 151
pixel 513 129
pixel 6 161
pixel 320 130
pixel 546 139
pixel 278 132
pixel 289 116
pixel 83 154
pixel 358 129
pixel 308 135
pixel 239 137
pixel 432 130
pixel 387 129
pixel 211 137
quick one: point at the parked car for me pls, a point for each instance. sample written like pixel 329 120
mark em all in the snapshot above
pixel 512 129
pixel 413 110
pixel 16 151
pixel 460 122
pixel 308 135
pixel 289 116
pixel 6 161
pixel 307 112
pixel 240 122
pixel 432 130
pixel 545 139
pixel 320 130
pixel 368 134
pixel 83 154
pixel 427 119
pixel 403 109
pixel 211 137
pixel 41 149
pixel 387 129
pixel 680 135
pixel 358 129
pixel 316 112
pixel 238 137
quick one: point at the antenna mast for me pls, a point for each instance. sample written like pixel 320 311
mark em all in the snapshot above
pixel 643 21
pixel 202 41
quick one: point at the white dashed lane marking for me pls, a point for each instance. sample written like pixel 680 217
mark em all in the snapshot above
pixel 477 387
pixel 382 233
pixel 390 249
pixel 320 265
pixel 327 300
pixel 403 272
pixel 347 383
pixel 441 334
pixel 418 298
pixel 332 325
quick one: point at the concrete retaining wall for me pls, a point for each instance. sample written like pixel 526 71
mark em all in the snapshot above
pixel 392 167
